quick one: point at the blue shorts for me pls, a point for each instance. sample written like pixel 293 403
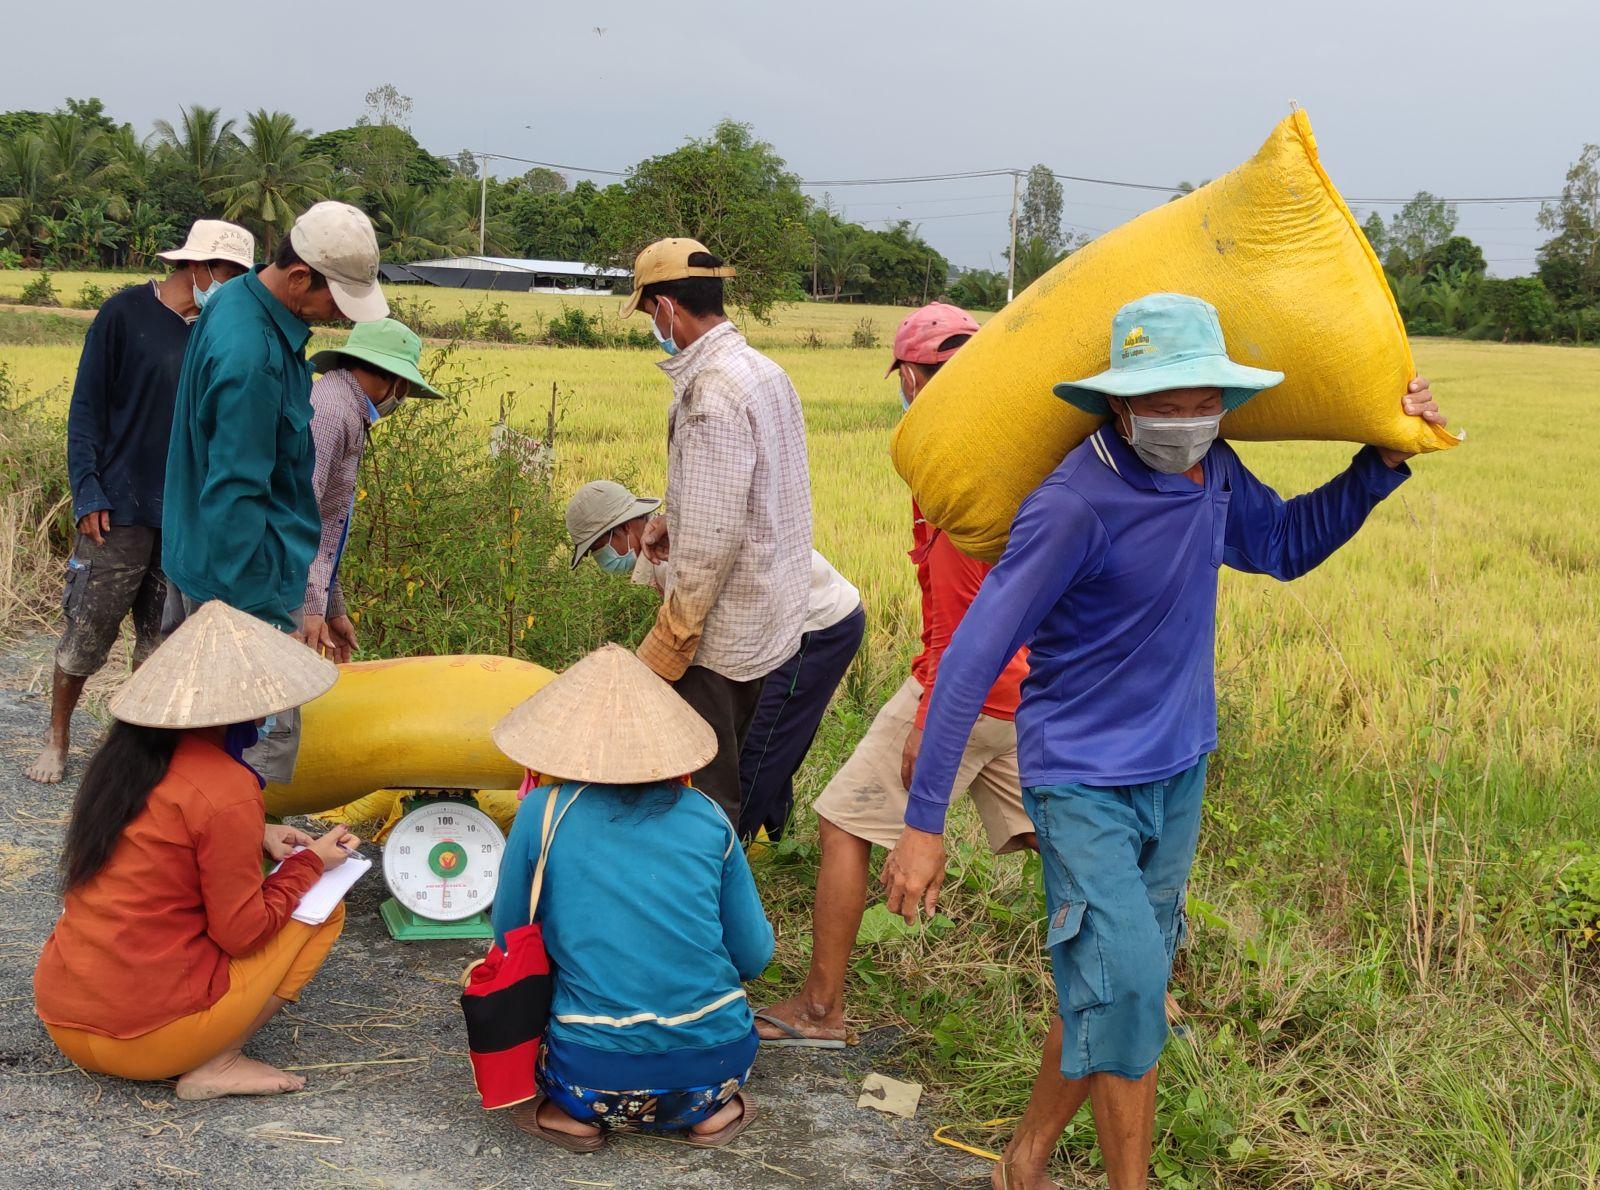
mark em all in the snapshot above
pixel 1116 864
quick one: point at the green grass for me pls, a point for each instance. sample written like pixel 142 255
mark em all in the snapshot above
pixel 1377 996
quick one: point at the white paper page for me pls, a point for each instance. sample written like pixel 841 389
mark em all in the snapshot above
pixel 318 904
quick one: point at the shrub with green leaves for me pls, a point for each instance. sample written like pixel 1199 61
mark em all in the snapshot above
pixel 454 550
pixel 40 292
pixel 91 296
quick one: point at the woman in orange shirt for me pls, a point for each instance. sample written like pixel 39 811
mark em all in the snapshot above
pixel 172 950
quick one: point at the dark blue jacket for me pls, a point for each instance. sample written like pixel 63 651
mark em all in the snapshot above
pixel 121 413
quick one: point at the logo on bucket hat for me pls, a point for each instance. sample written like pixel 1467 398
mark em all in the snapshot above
pixel 1136 343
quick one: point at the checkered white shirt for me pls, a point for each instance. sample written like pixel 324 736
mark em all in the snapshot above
pixel 738 508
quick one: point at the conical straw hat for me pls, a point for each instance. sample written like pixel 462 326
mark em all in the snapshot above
pixel 607 719
pixel 222 666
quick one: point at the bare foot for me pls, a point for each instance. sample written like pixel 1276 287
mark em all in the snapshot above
pixel 234 1074
pixel 1012 1173
pixel 48 767
pixel 730 1112
pixel 556 1120
pixel 816 1022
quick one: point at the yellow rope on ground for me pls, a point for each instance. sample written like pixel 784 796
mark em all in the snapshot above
pixel 939 1135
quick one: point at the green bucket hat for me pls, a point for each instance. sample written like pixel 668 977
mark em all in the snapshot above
pixel 387 345
pixel 1163 341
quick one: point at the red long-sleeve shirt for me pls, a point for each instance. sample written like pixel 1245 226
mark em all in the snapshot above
pixel 950 580
pixel 147 939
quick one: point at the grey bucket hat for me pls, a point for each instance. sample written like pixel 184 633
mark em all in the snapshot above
pixel 599 507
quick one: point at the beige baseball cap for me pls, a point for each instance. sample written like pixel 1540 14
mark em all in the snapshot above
pixel 668 260
pixel 337 240
pixel 212 239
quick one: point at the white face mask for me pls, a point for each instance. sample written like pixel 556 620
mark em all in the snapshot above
pixel 202 296
pixel 668 344
pixel 1172 444
pixel 906 397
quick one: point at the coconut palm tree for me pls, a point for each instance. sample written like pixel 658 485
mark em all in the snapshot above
pixel 203 141
pixel 273 178
pixel 78 162
pixel 26 211
pixel 414 224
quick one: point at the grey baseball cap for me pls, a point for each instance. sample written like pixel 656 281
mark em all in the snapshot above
pixel 599 507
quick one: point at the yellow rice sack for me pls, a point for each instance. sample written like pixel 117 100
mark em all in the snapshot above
pixel 1298 289
pixel 406 723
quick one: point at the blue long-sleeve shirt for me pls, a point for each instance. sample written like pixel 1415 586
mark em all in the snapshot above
pixel 1110 576
pixel 120 418
pixel 650 916
pixel 240 521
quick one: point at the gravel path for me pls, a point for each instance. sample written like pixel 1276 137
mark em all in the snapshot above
pixel 388 1102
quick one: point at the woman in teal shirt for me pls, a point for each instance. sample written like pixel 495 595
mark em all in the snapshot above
pixel 648 908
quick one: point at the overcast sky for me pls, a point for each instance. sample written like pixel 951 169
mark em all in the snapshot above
pixel 1468 98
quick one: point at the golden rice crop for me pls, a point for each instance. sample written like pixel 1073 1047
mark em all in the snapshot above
pixel 1480 573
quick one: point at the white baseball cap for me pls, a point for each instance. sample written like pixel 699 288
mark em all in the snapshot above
pixel 337 240
pixel 212 239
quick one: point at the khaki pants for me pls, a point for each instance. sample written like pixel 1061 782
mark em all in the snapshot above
pixel 866 798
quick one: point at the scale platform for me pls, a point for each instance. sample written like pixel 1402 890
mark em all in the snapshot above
pixel 442 862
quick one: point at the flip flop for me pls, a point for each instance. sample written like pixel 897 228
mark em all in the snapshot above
pixel 795 1038
pixel 526 1117
pixel 715 1140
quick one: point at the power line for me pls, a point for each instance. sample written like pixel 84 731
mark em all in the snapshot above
pixel 956 175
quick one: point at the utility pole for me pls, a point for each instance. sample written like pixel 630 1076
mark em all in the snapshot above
pixel 927 272
pixel 1011 268
pixel 483 201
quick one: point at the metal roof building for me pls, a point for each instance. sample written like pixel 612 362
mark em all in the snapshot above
pixel 508 273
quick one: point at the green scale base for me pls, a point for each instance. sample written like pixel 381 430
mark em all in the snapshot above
pixel 406 926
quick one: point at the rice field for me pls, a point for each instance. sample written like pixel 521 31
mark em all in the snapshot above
pixel 1479 574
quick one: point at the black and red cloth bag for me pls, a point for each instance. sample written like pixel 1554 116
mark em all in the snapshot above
pixel 505 996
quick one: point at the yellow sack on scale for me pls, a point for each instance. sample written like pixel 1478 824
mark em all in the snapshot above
pixel 406 723
pixel 1271 245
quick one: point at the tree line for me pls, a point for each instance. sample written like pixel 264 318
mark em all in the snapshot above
pixel 80 190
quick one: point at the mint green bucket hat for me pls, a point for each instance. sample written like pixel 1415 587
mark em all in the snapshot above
pixel 387 345
pixel 1163 341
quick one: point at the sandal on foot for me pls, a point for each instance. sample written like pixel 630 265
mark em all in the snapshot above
pixel 715 1140
pixel 526 1117
pixel 793 1037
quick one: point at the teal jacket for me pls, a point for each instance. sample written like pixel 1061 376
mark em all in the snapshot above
pixel 240 520
pixel 650 916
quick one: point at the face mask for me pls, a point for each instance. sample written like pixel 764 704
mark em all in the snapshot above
pixel 202 296
pixel 667 342
pixel 905 397
pixel 614 563
pixel 396 397
pixel 1172 444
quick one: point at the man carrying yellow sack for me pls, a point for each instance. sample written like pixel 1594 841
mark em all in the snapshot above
pixel 1110 577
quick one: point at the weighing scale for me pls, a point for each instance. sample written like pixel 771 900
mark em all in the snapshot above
pixel 441 862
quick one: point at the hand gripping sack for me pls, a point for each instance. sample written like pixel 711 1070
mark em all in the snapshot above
pixel 505 996
pixel 1271 245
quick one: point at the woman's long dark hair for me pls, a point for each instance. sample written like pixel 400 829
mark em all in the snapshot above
pixel 115 787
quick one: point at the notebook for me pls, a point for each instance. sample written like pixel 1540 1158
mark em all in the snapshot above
pixel 318 904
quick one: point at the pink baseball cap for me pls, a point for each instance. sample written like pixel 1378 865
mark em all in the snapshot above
pixel 917 341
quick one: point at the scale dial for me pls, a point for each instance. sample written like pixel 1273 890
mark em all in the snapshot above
pixel 442 861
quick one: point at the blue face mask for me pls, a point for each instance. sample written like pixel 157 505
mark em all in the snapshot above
pixel 614 563
pixel 202 296
pixel 668 344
